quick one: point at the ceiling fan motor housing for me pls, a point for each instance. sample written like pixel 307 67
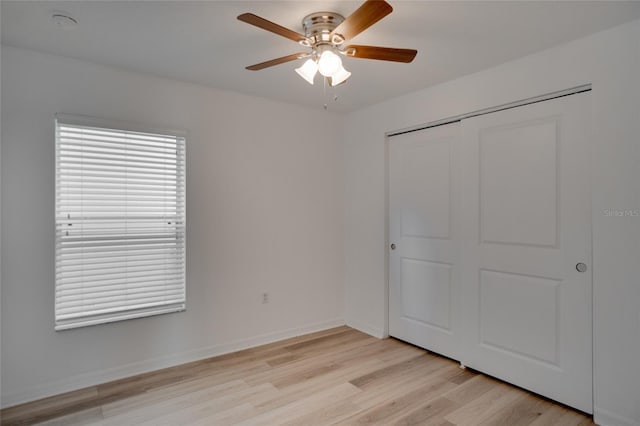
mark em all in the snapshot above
pixel 318 26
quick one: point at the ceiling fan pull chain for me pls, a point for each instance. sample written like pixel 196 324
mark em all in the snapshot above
pixel 324 93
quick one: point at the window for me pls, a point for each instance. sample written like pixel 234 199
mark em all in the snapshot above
pixel 120 223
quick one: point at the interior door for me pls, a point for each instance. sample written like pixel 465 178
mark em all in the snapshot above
pixel 424 231
pixel 526 294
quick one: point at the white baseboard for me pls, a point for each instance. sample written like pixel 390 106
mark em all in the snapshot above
pixel 366 328
pixel 607 418
pixel 94 378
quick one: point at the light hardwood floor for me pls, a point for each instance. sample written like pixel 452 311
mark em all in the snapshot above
pixel 337 376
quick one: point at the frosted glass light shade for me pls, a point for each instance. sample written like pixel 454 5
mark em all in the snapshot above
pixel 340 76
pixel 308 70
pixel 329 63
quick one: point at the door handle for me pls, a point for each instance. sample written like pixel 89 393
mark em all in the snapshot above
pixel 393 246
pixel 581 267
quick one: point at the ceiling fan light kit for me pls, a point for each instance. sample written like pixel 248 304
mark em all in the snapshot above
pixel 308 70
pixel 339 77
pixel 325 33
pixel 329 63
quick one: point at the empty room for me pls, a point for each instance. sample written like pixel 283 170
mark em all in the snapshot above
pixel 320 212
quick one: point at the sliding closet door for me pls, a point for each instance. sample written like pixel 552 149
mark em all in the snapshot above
pixel 527 251
pixel 424 231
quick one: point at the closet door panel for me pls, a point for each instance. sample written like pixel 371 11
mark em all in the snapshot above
pixel 424 264
pixel 527 309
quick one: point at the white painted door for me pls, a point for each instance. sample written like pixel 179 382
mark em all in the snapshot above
pixel 527 224
pixel 424 229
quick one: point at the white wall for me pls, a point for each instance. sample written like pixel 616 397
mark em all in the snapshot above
pixel 264 213
pixel 611 62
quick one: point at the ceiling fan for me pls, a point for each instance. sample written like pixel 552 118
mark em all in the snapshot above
pixel 325 35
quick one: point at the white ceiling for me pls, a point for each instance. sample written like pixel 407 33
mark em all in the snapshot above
pixel 203 42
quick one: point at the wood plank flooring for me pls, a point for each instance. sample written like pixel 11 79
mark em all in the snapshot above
pixel 334 377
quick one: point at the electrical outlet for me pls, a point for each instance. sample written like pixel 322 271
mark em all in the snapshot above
pixel 265 297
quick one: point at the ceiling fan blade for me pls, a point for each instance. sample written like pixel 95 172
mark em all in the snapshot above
pixel 259 22
pixel 366 15
pixel 381 53
pixel 278 61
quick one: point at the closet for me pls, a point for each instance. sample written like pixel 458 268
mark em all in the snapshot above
pixel 490 245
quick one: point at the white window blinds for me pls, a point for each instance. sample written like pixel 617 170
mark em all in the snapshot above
pixel 120 224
